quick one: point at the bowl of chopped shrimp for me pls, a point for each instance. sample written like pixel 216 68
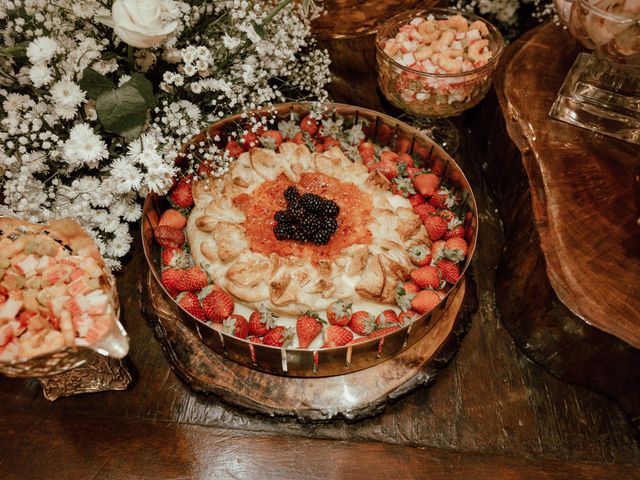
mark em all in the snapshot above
pixel 436 62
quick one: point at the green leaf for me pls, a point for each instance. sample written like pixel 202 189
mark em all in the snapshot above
pixel 144 86
pixel 259 29
pixel 122 111
pixel 305 6
pixel 18 51
pixel 94 83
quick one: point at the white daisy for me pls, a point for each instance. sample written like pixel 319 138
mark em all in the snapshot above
pixel 66 95
pixel 42 49
pixel 40 75
pixel 125 175
pixel 84 147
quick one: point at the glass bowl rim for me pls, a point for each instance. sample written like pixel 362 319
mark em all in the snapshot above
pixel 493 31
pixel 604 14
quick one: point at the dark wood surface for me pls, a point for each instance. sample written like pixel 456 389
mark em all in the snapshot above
pixel 569 216
pixel 492 413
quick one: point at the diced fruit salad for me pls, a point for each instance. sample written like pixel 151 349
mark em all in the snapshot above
pixel 438 263
pixel 49 298
pixel 443 47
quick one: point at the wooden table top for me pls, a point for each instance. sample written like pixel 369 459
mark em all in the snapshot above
pixel 492 413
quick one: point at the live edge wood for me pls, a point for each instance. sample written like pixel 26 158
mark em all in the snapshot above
pixel 568 282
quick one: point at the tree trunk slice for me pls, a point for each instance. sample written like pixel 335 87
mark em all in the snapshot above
pixel 352 396
pixel 568 283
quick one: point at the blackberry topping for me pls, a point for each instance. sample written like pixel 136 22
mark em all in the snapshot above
pixel 291 194
pixel 308 218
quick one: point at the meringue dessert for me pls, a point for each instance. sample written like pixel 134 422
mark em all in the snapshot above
pixel 294 231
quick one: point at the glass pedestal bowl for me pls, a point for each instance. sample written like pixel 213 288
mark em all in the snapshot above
pixel 429 98
pixel 602 90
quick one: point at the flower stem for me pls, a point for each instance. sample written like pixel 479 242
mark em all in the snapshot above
pixel 130 58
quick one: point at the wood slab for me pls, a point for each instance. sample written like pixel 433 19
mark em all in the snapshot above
pixel 568 283
pixel 352 396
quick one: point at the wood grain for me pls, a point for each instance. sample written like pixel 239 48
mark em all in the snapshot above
pixel 492 413
pixel 131 449
pixel 535 209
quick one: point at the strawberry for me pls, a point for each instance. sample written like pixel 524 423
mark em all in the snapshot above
pixel 318 147
pixel 362 323
pixel 170 279
pixel 410 287
pixel 448 215
pixel 335 336
pixel 234 149
pixel 406 159
pixel 387 168
pixel 278 337
pixel 386 319
pixel 426 184
pixel 468 233
pixel 437 166
pixel 357 340
pixel 330 142
pixel 169 237
pixel 424 209
pixel 273 137
pixel 366 150
pixel 426 277
pixel 450 270
pixel 455 232
pixel 420 255
pixel 437 251
pixel 192 279
pixel 416 200
pixel 425 301
pixel 436 226
pixel 382 332
pixel 308 328
pixel 249 140
pixel 389 156
pixel 384 133
pixel 408 317
pixel 298 138
pixel 456 249
pixel 189 301
pixel 173 218
pixel 403 145
pixel 175 258
pixel 237 326
pixel 413 172
pixel 180 195
pixel 253 339
pixel 309 125
pixel 218 305
pixel 261 321
pixel 339 313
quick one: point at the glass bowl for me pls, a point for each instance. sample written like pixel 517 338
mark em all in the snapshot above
pixel 433 95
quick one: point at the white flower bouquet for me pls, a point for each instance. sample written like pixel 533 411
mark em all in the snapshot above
pixel 98 98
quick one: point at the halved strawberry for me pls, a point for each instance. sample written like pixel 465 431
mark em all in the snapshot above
pixel 169 237
pixel 278 337
pixel 236 325
pixel 181 195
pixel 218 305
pixel 190 302
pixel 308 328
pixel 173 218
pixel 362 323
pixel 339 313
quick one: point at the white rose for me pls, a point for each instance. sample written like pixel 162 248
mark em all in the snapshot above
pixel 139 23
